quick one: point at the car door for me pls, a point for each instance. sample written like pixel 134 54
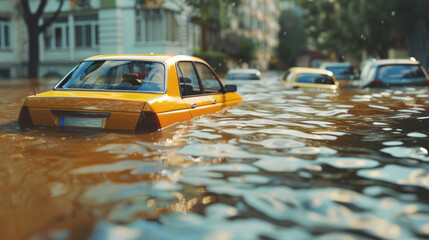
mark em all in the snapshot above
pixel 199 101
pixel 211 86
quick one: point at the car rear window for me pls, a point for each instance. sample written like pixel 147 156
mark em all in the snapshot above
pixel 126 75
pixel 314 78
pixel 405 71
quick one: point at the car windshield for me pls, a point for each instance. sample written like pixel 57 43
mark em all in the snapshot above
pixel 406 71
pixel 117 75
pixel 314 78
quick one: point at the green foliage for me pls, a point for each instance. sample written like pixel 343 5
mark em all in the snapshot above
pixel 247 51
pixel 286 52
pixel 207 9
pixel 349 26
pixel 292 37
pixel 217 60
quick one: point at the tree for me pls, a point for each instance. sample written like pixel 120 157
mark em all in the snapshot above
pixel 247 51
pixel 34 29
pixel 292 37
pixel 210 13
pixel 348 27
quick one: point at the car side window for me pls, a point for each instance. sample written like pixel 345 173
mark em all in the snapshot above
pixel 188 79
pixel 290 76
pixel 314 78
pixel 305 78
pixel 210 83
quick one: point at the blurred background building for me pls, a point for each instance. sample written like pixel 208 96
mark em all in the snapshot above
pixel 92 27
pixel 86 28
pixel 257 21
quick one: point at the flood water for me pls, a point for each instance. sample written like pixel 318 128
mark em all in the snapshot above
pixel 283 164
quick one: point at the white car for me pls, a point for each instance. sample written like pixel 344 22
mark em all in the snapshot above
pixel 392 72
pixel 243 74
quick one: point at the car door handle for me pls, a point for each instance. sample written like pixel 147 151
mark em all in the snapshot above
pixel 193 105
pixel 214 101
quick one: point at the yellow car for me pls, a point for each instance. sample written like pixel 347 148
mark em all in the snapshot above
pixel 299 77
pixel 130 92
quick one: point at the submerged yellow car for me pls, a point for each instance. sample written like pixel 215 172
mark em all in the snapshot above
pixel 300 77
pixel 130 92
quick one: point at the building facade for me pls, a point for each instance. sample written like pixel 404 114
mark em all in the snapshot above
pixel 257 20
pixel 87 28
pixel 93 27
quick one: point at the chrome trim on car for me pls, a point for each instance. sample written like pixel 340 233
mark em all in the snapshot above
pixel 81 113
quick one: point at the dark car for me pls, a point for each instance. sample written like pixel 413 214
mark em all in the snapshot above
pixel 343 71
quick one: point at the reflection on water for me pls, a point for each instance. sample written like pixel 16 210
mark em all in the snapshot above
pixel 284 164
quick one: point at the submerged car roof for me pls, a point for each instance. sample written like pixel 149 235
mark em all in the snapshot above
pixel 311 70
pixel 243 70
pixel 142 57
pixel 395 61
pixel 336 64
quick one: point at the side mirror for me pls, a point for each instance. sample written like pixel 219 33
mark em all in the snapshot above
pixel 231 88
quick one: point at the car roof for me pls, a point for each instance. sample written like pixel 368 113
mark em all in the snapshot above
pixel 141 57
pixel 311 70
pixel 395 61
pixel 243 70
pixel 335 64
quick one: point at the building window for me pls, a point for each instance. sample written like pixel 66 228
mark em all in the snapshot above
pixel 254 4
pixel 4 73
pixel 57 35
pixel 4 34
pixel 196 40
pixel 172 29
pixel 86 33
pixel 241 18
pixel 254 23
pixel 149 22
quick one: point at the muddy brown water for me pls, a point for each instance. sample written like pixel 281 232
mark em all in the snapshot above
pixel 283 164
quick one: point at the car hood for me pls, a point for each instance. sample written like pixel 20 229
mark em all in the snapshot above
pixel 91 100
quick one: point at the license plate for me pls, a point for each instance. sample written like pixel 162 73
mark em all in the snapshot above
pixel 66 121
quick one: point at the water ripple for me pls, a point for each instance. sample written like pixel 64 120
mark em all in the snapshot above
pixel 348 162
pixel 146 167
pixel 419 153
pixel 215 150
pixel 296 133
pixel 287 164
pixel 277 143
pixel 399 175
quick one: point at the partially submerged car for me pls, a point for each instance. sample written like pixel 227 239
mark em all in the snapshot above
pixel 343 71
pixel 392 72
pixel 300 77
pixel 130 92
pixel 243 74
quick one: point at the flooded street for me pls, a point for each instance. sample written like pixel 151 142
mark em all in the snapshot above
pixel 283 164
